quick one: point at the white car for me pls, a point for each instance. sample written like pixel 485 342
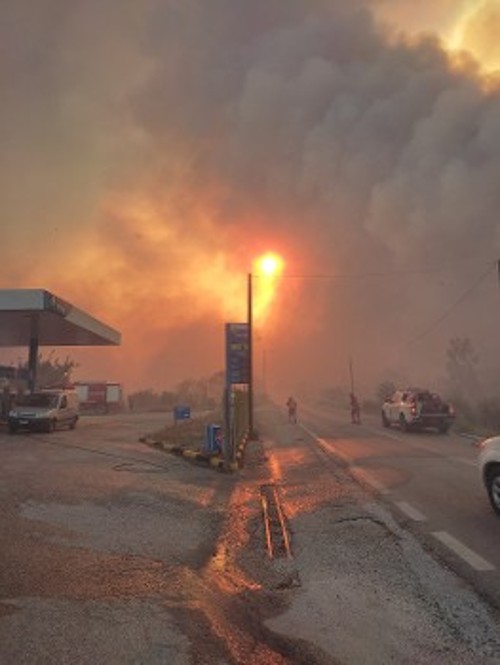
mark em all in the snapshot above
pixel 489 464
pixel 45 410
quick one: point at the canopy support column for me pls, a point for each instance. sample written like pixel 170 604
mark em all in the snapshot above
pixel 33 354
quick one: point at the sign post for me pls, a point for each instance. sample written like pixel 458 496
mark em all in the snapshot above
pixel 250 354
pixel 237 373
pixel 237 353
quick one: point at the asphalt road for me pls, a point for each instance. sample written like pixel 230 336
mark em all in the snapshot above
pixel 116 553
pixel 102 540
pixel 432 481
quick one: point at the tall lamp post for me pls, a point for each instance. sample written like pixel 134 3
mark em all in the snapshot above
pixel 269 265
pixel 251 432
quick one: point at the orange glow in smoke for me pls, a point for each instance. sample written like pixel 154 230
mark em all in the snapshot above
pixel 268 270
pixel 270 265
pixel 476 31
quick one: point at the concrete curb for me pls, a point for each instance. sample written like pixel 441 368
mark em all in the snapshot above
pixel 213 461
pixel 240 451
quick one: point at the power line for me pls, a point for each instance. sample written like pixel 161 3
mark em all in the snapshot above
pixel 464 296
pixel 386 273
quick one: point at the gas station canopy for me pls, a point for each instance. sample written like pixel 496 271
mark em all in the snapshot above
pixel 27 315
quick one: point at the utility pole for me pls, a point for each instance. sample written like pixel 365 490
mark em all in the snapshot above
pixel 264 370
pixel 351 374
pixel 251 433
pixel 33 354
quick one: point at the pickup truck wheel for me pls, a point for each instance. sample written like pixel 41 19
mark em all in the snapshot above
pixel 51 425
pixel 443 429
pixel 402 423
pixel 72 424
pixel 13 428
pixel 493 487
pixel 385 421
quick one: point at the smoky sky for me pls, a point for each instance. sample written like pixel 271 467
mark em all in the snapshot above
pixel 150 150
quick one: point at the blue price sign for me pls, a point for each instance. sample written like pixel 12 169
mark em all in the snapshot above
pixel 237 353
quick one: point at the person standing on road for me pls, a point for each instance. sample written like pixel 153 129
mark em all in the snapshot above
pixel 292 410
pixel 355 410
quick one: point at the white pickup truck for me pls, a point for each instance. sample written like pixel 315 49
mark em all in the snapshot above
pixel 415 408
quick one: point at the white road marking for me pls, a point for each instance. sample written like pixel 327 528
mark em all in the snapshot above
pixel 357 472
pixel 468 462
pixel 422 446
pixel 384 432
pixel 477 562
pixel 326 446
pixel 331 448
pixel 308 431
pixel 410 511
pixel 469 556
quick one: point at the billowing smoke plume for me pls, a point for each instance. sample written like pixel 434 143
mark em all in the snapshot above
pixel 152 152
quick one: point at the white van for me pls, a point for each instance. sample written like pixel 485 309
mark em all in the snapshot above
pixel 44 410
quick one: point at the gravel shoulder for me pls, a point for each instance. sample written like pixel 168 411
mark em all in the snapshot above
pixel 360 588
pixel 365 590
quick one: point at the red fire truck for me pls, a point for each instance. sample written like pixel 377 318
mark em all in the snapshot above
pixel 99 396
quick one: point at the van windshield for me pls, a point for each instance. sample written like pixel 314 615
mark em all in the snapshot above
pixel 45 400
